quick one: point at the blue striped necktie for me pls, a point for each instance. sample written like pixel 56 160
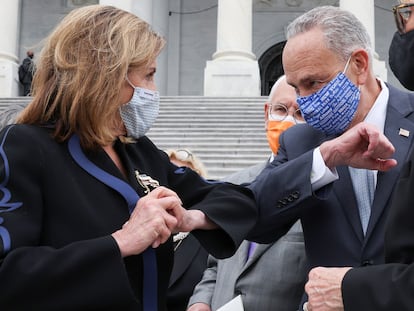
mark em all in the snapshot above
pixel 364 186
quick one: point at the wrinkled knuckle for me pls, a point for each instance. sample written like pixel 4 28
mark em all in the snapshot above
pixel 157 221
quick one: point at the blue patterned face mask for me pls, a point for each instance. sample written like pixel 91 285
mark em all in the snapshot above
pixel 332 108
pixel 140 112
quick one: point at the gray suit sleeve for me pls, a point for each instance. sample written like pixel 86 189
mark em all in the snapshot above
pixel 204 290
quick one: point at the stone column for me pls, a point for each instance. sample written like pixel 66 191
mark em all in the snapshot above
pixel 159 22
pixel 9 62
pixel 234 70
pixel 365 12
pixel 144 9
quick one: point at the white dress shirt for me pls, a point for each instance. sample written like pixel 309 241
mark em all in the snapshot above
pixel 321 175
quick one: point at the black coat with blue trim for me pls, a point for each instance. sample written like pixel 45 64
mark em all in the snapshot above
pixel 56 221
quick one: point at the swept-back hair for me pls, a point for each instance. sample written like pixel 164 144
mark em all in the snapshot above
pixel 81 69
pixel 343 32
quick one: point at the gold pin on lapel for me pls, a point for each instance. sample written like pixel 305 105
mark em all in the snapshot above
pixel 146 182
pixel 404 132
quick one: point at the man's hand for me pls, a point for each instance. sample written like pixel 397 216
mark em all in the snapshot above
pixel 324 289
pixel 362 146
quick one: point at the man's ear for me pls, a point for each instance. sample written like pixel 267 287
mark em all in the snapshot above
pixel 266 113
pixel 360 65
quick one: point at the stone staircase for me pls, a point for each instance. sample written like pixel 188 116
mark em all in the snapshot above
pixel 227 134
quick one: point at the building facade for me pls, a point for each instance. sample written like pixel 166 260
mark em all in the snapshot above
pixel 214 47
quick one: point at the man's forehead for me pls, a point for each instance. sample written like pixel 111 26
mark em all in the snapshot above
pixel 308 68
pixel 310 65
pixel 306 45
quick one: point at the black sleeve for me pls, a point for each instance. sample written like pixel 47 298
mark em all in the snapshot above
pixel 231 207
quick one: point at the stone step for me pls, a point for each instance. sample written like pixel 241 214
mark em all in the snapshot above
pixel 216 131
pixel 247 138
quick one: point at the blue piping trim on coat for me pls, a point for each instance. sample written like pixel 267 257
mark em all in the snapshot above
pixel 150 282
pixel 5 237
pixel 5 206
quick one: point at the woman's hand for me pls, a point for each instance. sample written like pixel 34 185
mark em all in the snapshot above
pixel 153 220
pixel 155 217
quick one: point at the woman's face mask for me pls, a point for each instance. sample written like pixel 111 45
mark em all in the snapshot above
pixel 140 113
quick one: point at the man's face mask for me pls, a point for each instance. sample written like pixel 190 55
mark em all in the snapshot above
pixel 279 121
pixel 332 108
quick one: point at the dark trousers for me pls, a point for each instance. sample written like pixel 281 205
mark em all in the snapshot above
pixel 26 89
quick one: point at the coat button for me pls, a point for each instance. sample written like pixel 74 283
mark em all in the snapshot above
pixel 291 198
pixel 367 263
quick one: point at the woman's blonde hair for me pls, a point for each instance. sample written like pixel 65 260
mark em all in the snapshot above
pixel 81 70
pixel 190 159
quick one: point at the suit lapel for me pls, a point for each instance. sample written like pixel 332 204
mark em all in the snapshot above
pixel 343 188
pixel 241 256
pixel 183 257
pixel 396 120
pixel 258 252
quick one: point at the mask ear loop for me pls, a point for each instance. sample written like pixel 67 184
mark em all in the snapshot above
pixel 346 67
pixel 129 82
pixel 347 64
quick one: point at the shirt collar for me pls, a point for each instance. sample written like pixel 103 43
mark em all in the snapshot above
pixel 378 111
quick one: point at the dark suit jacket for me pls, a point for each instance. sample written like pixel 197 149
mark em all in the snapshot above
pixel 389 286
pixel 272 278
pixel 190 261
pixel 56 221
pixel 330 218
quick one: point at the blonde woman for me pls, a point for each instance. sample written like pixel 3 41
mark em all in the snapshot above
pixel 89 203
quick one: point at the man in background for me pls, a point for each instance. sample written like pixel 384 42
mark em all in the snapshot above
pixel 26 72
pixel 401 50
pixel 267 276
pixel 329 172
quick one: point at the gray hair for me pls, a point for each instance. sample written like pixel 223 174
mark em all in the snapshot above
pixel 342 30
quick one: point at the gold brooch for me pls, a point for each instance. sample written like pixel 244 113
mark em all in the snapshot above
pixel 146 182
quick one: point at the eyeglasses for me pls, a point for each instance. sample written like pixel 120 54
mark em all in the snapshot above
pixel 183 155
pixel 402 13
pixel 278 112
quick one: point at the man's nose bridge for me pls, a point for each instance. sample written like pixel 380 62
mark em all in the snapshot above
pixel 292 111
